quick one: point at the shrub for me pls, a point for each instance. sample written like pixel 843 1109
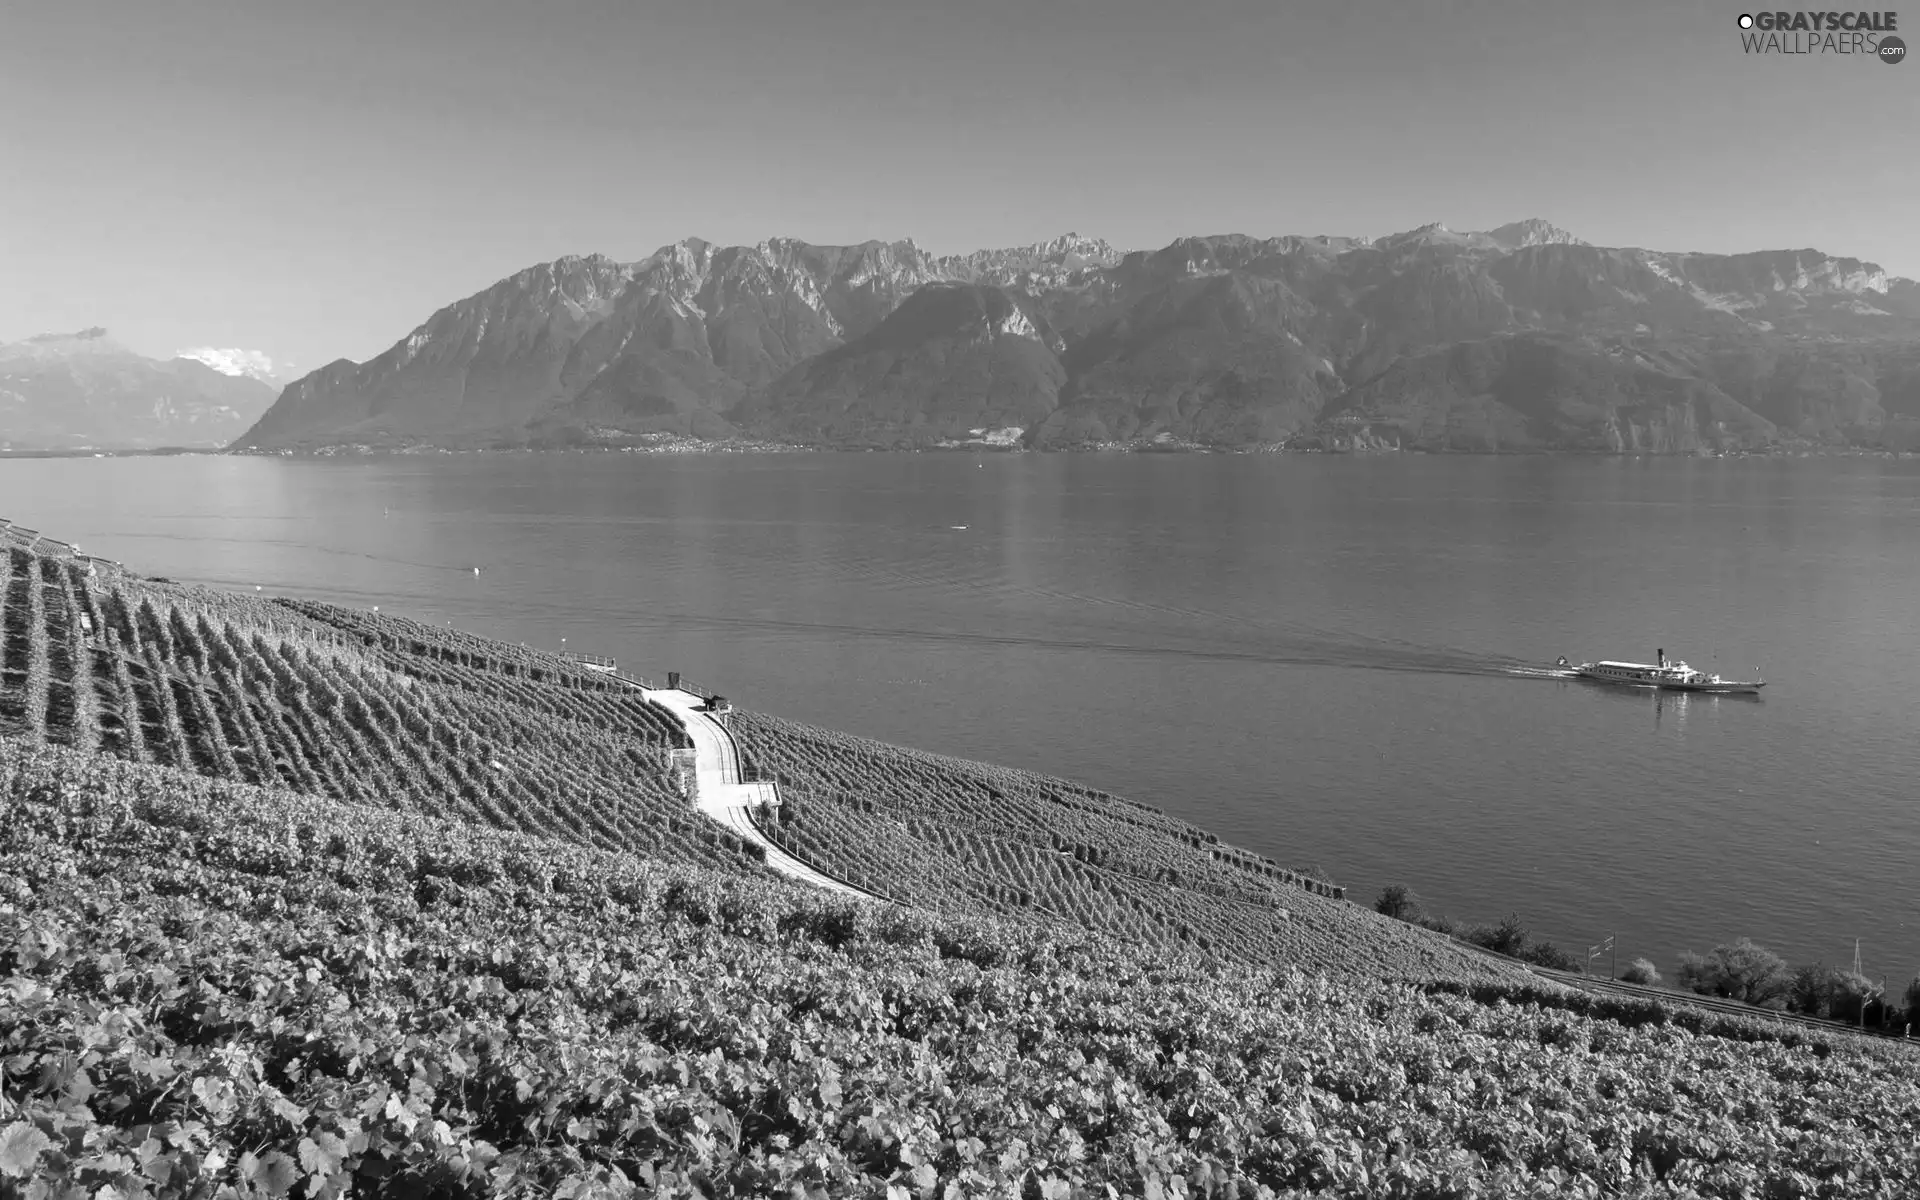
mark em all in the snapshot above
pixel 1398 901
pixel 1509 937
pixel 1739 970
pixel 1853 997
pixel 1546 954
pixel 1641 971
pixel 1810 991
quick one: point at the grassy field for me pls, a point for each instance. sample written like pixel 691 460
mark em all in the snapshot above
pixel 299 901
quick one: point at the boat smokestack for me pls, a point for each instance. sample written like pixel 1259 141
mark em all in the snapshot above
pixel 1663 656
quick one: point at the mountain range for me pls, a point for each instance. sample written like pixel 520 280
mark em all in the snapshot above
pixel 1522 337
pixel 85 391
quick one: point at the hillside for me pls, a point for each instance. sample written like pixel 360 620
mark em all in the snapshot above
pixel 952 359
pixel 85 391
pixel 383 712
pixel 212 984
pixel 1225 340
pixel 301 900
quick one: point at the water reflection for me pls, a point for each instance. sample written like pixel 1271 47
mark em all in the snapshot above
pixel 1677 702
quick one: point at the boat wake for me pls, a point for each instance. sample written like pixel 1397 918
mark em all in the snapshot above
pixel 1541 672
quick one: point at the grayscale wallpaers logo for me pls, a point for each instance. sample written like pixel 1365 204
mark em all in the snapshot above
pixel 1867 34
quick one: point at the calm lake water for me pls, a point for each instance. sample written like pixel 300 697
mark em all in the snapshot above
pixel 1308 655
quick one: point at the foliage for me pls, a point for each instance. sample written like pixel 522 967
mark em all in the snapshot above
pixel 1739 970
pixel 1398 901
pixel 1542 953
pixel 1809 990
pixel 1510 937
pixel 386 712
pixel 1855 998
pixel 373 710
pixel 1641 971
pixel 968 837
pixel 211 989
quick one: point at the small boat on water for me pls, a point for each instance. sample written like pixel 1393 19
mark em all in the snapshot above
pixel 1667 675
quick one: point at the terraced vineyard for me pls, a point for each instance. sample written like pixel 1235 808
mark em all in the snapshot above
pixel 964 836
pixel 374 710
pixel 387 712
pixel 211 989
pixel 297 901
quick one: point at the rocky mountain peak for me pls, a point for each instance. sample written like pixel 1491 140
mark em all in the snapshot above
pixel 1069 249
pixel 1225 338
pixel 1532 232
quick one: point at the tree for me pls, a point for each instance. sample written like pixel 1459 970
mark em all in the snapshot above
pixel 1399 902
pixel 1739 970
pixel 1912 999
pixel 1641 971
pixel 1509 937
pixel 1810 991
pixel 1852 994
pixel 1545 954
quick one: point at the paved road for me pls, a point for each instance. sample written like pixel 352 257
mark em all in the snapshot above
pixel 719 793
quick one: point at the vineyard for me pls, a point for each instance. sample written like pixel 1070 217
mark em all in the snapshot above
pixel 387 712
pixel 210 989
pixel 374 710
pixel 966 837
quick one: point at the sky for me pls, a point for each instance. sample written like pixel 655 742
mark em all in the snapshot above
pixel 314 180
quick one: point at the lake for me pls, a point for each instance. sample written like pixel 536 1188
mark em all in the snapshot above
pixel 1312 656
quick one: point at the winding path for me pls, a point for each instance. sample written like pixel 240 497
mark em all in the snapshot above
pixel 719 793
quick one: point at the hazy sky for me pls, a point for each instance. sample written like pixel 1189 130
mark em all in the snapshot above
pixel 314 179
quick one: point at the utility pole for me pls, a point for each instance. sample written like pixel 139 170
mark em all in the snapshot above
pixel 1595 951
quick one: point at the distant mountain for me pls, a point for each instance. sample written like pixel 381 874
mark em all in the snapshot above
pixel 251 363
pixel 952 359
pixel 84 390
pixel 1519 337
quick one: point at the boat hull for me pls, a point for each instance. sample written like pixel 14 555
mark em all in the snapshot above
pixel 1723 687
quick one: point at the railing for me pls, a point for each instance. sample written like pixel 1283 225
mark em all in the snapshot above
pixel 678 682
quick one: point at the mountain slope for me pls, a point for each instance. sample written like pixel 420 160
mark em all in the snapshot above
pixel 86 391
pixel 1225 340
pixel 672 342
pixel 1539 391
pixel 951 360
